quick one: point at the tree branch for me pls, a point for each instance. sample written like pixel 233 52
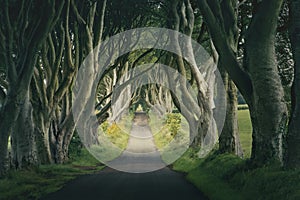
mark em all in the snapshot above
pixel 227 55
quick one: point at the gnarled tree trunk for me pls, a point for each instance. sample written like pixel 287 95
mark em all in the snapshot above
pixel 267 107
pixel 24 152
pixel 229 141
pixel 258 79
pixel 293 138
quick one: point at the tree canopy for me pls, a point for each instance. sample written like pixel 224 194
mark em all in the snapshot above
pixel 44 46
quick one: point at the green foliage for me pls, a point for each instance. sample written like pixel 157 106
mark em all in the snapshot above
pixel 116 133
pixel 105 126
pixel 75 147
pixel 188 161
pixel 117 136
pixel 169 134
pixel 170 128
pixel 113 138
pixel 173 123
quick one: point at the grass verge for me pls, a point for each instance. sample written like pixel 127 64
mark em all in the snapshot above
pixel 222 177
pixel 36 182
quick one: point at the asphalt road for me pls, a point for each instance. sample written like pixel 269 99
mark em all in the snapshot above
pixel 110 184
pixel 139 156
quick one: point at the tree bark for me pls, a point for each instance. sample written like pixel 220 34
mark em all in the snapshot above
pixel 24 151
pixel 293 137
pixel 32 25
pixel 267 108
pixel 258 79
pixel 229 141
pixel 9 115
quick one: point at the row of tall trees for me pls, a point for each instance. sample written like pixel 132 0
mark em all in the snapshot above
pixel 257 75
pixel 44 43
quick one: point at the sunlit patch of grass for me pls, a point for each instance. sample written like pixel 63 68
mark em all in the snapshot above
pixel 117 136
pixel 245 131
pixel 156 123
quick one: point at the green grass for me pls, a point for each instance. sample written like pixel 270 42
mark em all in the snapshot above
pixel 187 162
pixel 243 107
pixel 161 134
pixel 36 182
pixel 222 177
pixel 245 131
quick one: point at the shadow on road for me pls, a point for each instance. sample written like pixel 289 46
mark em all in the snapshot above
pixel 110 184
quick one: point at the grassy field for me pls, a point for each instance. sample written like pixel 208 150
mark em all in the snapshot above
pixel 36 182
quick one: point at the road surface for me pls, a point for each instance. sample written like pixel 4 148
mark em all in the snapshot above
pixel 140 154
pixel 110 184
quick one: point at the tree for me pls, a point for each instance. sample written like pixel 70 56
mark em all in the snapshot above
pixel 293 137
pixel 26 25
pixel 257 78
pixel 229 139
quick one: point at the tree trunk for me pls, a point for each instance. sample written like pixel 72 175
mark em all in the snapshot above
pixel 229 141
pixel 41 132
pixel 267 108
pixel 62 134
pixel 9 115
pixel 24 151
pixel 258 80
pixel 293 138
pixel 26 35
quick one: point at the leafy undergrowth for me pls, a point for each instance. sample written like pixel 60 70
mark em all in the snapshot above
pixel 113 139
pixel 117 133
pixel 172 139
pixel 36 182
pixel 228 177
pixel 170 128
